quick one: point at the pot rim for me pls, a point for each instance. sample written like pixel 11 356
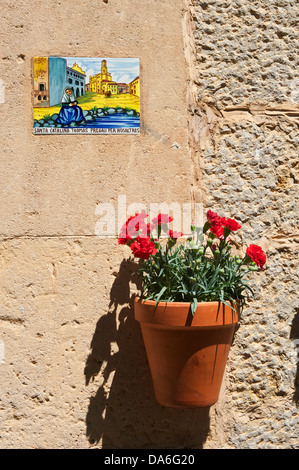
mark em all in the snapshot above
pixel 178 314
pixel 176 303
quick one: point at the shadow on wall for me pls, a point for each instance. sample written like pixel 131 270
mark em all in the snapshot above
pixel 294 336
pixel 124 413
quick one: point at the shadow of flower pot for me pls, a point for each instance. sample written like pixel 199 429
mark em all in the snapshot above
pixel 124 413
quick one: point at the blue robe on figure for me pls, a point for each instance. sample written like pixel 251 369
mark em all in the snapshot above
pixel 70 111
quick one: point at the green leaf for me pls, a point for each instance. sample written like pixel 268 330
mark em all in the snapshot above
pixel 160 295
pixel 193 305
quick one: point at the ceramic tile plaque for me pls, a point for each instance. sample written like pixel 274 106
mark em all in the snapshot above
pixel 80 95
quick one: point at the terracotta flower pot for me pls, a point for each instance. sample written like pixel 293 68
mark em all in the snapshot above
pixel 187 354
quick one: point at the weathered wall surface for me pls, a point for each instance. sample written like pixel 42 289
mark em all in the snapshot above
pixel 219 108
pixel 245 111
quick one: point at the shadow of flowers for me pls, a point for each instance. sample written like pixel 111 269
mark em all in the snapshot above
pixel 294 336
pixel 124 414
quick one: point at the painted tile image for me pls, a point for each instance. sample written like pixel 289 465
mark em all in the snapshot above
pixel 80 95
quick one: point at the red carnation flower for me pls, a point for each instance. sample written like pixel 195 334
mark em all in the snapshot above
pixel 231 224
pixel 218 223
pixel 135 223
pixel 162 219
pixel 257 255
pixel 217 229
pixel 174 235
pixel 143 248
pixel 213 217
pixel 145 229
pixel 123 239
pixel 131 227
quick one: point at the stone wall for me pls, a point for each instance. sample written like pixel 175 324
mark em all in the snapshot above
pixel 246 109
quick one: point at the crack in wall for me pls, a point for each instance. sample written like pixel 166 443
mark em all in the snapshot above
pixel 260 114
pixel 5 238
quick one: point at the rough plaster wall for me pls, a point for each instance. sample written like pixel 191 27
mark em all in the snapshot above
pixel 245 118
pixel 73 369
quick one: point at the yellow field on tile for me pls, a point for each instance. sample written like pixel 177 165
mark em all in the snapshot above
pixel 91 100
